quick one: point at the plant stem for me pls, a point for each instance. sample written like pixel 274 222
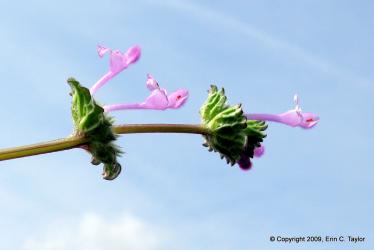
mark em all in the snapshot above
pixel 160 128
pixel 42 148
pixel 76 141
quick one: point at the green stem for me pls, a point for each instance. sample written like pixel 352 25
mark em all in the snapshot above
pixel 42 148
pixel 76 141
pixel 160 128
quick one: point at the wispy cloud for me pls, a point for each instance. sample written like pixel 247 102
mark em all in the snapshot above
pixel 214 17
pixel 95 232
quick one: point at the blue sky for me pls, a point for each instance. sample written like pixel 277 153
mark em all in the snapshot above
pixel 172 193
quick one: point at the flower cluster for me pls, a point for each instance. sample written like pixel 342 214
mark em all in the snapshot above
pixel 158 99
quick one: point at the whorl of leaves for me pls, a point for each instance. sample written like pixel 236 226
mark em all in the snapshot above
pixel 231 134
pixel 91 122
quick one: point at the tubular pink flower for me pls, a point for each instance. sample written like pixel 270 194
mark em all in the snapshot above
pixel 294 117
pixel 118 61
pixel 157 100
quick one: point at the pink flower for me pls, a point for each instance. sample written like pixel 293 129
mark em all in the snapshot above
pixel 294 117
pixel 118 61
pixel 157 100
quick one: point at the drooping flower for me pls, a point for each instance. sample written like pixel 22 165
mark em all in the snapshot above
pixel 118 61
pixel 294 117
pixel 157 100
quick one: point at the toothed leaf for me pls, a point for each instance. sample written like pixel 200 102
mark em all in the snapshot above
pixel 90 120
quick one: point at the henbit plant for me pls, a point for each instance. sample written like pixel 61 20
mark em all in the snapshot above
pixel 227 130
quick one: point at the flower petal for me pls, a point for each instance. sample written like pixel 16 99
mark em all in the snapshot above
pixel 151 83
pixel 132 55
pixel 117 62
pixel 157 100
pixel 309 120
pixel 177 98
pixel 101 50
pixel 120 61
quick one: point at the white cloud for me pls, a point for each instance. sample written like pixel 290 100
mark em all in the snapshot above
pixel 94 232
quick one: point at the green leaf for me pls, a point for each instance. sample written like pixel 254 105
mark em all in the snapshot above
pixel 91 121
pixel 231 134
